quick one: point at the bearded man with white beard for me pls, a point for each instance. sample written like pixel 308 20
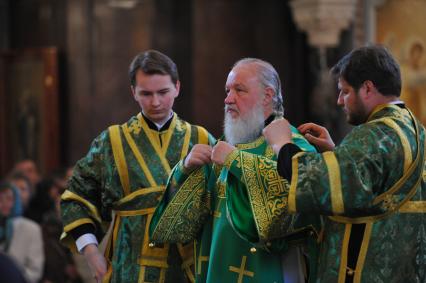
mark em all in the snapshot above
pixel 218 195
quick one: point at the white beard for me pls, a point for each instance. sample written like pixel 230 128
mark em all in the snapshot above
pixel 244 129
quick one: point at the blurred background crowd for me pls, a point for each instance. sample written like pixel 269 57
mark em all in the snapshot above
pixel 30 227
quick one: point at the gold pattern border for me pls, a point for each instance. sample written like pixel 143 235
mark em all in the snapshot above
pixel 255 193
pixel 260 177
pixel 252 144
pixel 191 186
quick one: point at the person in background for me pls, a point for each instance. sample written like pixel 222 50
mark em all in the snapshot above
pixel 20 238
pixel 23 184
pixel 29 169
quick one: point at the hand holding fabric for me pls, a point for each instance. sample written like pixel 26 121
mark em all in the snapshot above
pixel 220 151
pixel 277 134
pixel 96 261
pixel 198 156
pixel 318 136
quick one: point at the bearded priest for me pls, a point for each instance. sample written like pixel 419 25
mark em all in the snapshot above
pixel 220 196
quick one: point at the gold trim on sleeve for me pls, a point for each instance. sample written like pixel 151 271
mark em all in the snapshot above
pixel 203 135
pixel 77 223
pixel 120 160
pixel 335 182
pixel 68 195
pixel 293 184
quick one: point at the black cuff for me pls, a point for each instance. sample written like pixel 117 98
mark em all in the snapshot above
pixel 285 155
pixel 81 230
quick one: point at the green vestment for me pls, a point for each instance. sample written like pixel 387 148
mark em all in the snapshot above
pixel 194 207
pixel 125 172
pixel 372 183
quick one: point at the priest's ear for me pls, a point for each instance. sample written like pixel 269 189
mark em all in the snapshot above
pixel 268 97
pixel 369 89
pixel 177 87
pixel 133 89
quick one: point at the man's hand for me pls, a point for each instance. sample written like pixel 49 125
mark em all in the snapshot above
pixel 199 155
pixel 96 261
pixel 220 151
pixel 317 136
pixel 277 134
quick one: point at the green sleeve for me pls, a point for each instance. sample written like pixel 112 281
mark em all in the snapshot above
pixel 81 202
pixel 352 183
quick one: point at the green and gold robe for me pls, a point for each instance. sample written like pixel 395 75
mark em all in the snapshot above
pixel 125 172
pixel 194 207
pixel 372 188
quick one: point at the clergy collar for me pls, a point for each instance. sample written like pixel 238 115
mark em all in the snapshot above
pixel 399 103
pixel 156 126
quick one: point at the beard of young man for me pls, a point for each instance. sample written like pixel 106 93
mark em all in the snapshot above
pixel 245 128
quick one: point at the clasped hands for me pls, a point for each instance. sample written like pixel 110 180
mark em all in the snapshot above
pixel 202 154
pixel 277 134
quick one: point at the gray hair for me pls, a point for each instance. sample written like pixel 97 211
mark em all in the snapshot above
pixel 268 77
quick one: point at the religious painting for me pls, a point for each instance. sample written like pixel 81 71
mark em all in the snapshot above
pixel 29 108
pixel 400 27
